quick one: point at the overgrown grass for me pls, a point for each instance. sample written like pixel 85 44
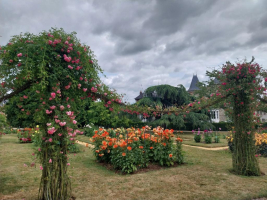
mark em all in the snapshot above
pixel 205 176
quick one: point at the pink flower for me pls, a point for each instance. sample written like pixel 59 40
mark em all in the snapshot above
pixel 53 95
pixel 25 97
pixel 59 134
pixel 81 78
pixel 105 94
pixel 68 113
pixel 198 102
pixel 62 123
pixel 58 91
pixel 39 149
pixel 111 109
pixel 79 86
pixel 52 107
pixel 109 102
pixel 62 107
pixel 19 64
pixel 57 120
pixel 67 87
pixel 51 130
pixel 48 124
pixel 50 140
pixel 66 58
pixel 68 164
pixel 48 112
pixel 84 89
pixel 50 160
pixel 19 54
pixel 41 167
pixel 70 67
pixel 74 122
pixel 25 165
pixel 68 106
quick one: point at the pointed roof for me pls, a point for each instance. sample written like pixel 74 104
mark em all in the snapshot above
pixel 140 96
pixel 193 85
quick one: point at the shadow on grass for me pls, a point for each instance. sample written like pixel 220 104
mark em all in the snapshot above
pixel 9 185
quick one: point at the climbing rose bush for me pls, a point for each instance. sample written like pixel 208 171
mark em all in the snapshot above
pixel 62 73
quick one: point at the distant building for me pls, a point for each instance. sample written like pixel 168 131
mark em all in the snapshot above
pixel 193 86
pixel 140 96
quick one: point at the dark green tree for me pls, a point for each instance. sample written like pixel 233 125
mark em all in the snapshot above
pixel 166 96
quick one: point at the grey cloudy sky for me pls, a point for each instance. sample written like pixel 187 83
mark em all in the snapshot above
pixel 142 43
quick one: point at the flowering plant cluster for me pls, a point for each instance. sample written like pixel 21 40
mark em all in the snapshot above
pixel 260 143
pixel 131 149
pixel 25 135
pixel 207 135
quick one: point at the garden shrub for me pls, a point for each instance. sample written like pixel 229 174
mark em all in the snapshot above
pixel 197 136
pixel 207 137
pixel 25 135
pixel 132 149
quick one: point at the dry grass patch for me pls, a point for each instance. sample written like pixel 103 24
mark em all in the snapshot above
pixel 205 176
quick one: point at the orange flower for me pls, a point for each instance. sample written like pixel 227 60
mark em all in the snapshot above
pixel 86 144
pixel 170 155
pixel 110 144
pixel 164 144
pixel 97 151
pixel 123 154
pixel 104 147
pixel 115 146
pixel 129 148
pixel 101 155
pixel 104 143
pixel 151 147
pixel 101 129
pixel 141 147
pixel 96 132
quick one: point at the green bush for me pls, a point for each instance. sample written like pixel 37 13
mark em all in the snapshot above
pixel 132 149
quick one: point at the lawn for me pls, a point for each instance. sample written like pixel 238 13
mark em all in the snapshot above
pixel 189 140
pixel 205 176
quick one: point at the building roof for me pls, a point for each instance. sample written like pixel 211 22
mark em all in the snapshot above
pixel 140 96
pixel 193 85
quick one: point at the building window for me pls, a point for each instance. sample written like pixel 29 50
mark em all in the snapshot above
pixel 214 115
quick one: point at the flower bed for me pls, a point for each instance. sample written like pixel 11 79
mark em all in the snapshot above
pixel 260 142
pixel 25 135
pixel 131 149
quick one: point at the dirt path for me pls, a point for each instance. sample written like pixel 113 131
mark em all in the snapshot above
pixel 85 144
pixel 205 148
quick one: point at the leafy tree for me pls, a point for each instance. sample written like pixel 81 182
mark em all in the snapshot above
pixel 100 115
pixel 61 72
pixel 165 96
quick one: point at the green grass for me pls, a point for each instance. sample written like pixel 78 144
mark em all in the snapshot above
pixel 205 176
pixel 189 140
pixel 223 143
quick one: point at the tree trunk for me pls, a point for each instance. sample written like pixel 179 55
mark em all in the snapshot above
pixel 244 160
